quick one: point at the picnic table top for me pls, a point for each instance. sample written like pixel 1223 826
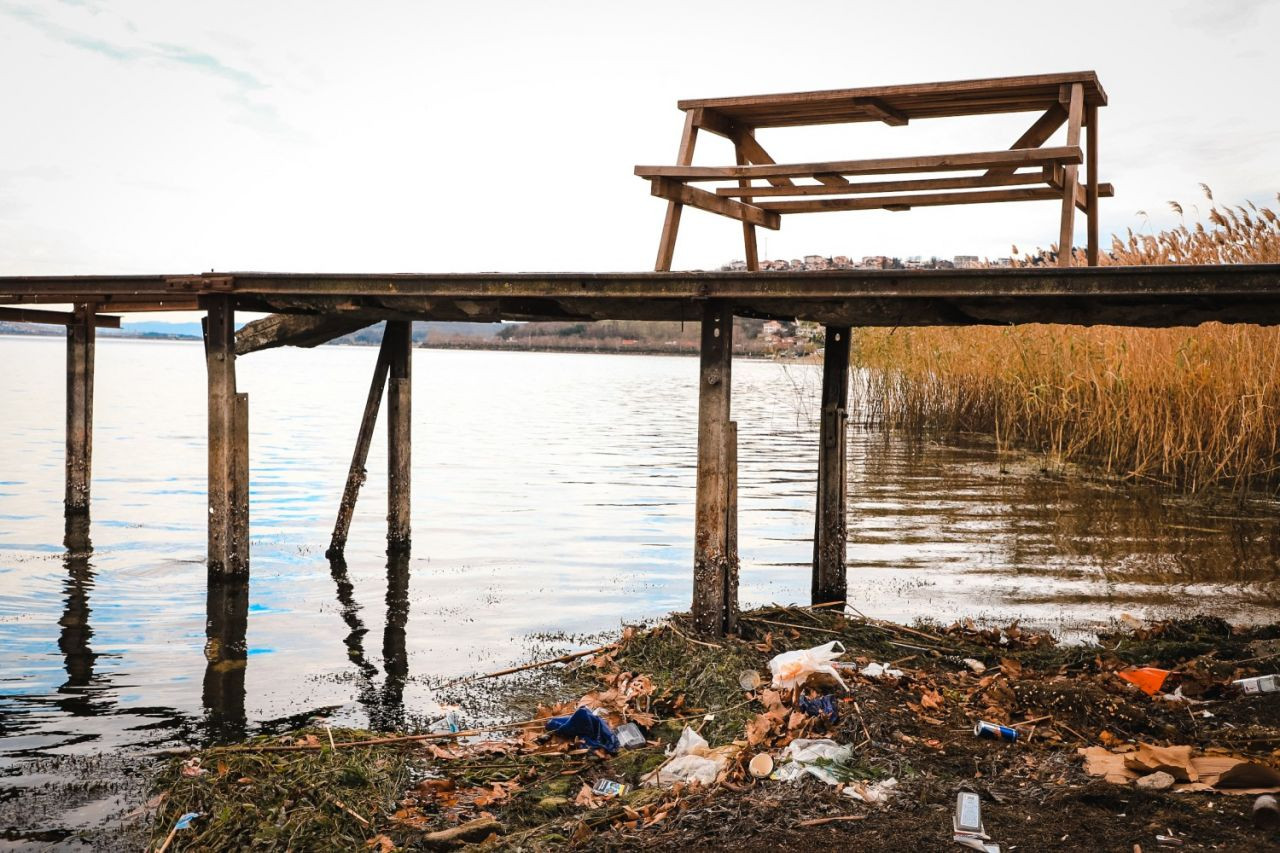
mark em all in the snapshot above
pixel 897 104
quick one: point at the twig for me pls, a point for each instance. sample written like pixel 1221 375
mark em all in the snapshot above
pixel 790 625
pixel 536 665
pixel 343 806
pixel 819 821
pixel 1032 721
pixel 1073 731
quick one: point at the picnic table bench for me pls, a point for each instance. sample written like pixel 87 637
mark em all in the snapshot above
pixel 1025 171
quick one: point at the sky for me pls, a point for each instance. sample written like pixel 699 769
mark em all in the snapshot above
pixel 177 137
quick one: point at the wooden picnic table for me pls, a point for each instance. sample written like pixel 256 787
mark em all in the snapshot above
pixel 1025 171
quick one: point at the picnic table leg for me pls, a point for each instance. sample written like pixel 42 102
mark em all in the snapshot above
pixel 748 230
pixel 1091 183
pixel 1069 181
pixel 684 157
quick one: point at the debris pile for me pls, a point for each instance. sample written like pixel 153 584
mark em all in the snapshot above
pixel 812 726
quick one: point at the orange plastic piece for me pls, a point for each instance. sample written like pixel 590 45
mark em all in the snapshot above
pixel 1148 678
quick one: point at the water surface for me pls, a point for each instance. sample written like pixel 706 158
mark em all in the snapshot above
pixel 552 493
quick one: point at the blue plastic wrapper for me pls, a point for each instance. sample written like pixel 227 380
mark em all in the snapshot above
pixel 594 731
pixel 823 706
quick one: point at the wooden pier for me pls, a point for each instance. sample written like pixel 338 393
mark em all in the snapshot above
pixel 310 309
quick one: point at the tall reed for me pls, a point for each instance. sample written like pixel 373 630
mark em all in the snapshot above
pixel 1194 408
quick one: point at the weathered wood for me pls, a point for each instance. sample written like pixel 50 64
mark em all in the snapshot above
pixel 684 194
pixel 731 530
pixel 54 318
pixel 227 554
pixel 399 435
pixel 1066 233
pixel 357 473
pixel 239 514
pixel 830 529
pixel 1036 135
pixel 848 188
pixel 295 330
pixel 1092 188
pixel 1016 157
pixel 714 557
pixel 79 410
pixel 909 200
pixel 748 230
pixel 671 225
pixel 755 153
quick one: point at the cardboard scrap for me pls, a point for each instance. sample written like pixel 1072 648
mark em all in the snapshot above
pixel 1226 774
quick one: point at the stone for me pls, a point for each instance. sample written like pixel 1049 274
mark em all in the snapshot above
pixel 1158 781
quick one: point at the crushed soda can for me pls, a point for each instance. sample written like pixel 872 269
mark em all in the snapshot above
pixel 1258 684
pixel 630 736
pixel 609 788
pixel 994 731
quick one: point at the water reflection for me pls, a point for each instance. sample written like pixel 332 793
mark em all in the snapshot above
pixel 75 631
pixel 389 713
pixel 226 656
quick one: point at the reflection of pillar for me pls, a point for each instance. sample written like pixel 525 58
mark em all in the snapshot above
pixel 73 639
pixel 226 654
pixel 351 615
pixel 395 658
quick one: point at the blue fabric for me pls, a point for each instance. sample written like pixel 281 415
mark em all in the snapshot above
pixel 594 731
pixel 823 706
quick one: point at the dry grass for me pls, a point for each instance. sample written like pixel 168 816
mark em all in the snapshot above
pixel 1194 408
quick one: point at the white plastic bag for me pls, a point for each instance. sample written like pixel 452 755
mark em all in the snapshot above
pixel 690 743
pixel 792 669
pixel 688 768
pixel 804 751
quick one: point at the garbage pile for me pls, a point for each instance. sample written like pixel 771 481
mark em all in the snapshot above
pixel 810 727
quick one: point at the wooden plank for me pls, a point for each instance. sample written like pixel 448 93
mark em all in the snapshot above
pixel 79 410
pixel 881 110
pixel 712 559
pixel 685 194
pixel 756 154
pixel 671 224
pixel 54 318
pixel 239 514
pixel 846 188
pixel 298 330
pixel 890 202
pixel 883 165
pixel 947 90
pixel 731 529
pixel 1057 179
pixel 1066 233
pixel 1036 135
pixel 752 255
pixel 1092 187
pixel 220 366
pixel 830 529
pixel 356 473
pixel 399 435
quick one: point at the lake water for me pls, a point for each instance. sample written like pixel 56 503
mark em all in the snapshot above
pixel 552 493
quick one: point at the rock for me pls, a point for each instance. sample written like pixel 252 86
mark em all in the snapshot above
pixel 1158 781
pixel 552 805
pixel 976 666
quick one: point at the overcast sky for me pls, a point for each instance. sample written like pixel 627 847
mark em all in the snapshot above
pixel 150 136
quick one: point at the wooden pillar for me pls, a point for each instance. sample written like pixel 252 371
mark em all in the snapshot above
pixel 356 474
pixel 748 230
pixel 1066 233
pixel 79 406
pixel 1091 183
pixel 715 547
pixel 228 444
pixel 830 530
pixel 399 443
pixel 671 225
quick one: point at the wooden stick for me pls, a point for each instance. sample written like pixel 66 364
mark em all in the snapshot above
pixel 819 821
pixel 538 664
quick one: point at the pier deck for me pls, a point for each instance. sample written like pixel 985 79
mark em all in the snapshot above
pixel 308 309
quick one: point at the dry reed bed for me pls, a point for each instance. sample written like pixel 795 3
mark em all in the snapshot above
pixel 1193 408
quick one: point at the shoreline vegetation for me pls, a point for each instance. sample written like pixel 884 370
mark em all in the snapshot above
pixel 899 734
pixel 1188 409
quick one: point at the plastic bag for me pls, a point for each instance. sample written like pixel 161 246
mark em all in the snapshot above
pixel 792 669
pixel 689 768
pixel 804 751
pixel 690 743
